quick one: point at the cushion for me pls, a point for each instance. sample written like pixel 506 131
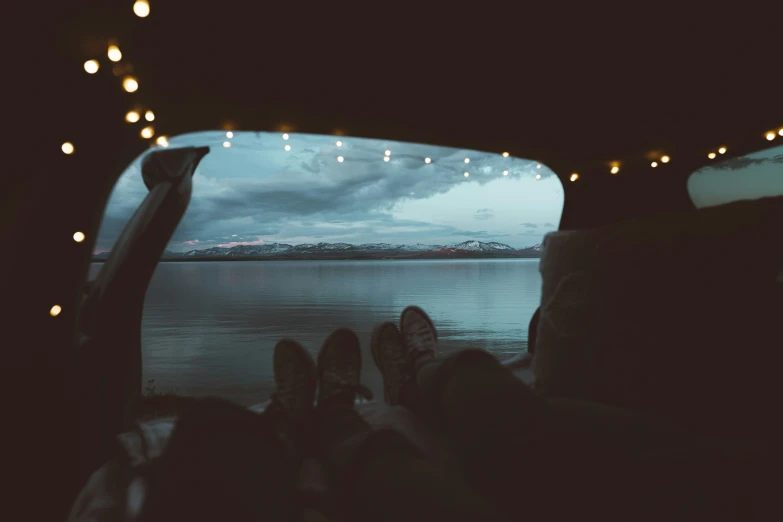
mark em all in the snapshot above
pixel 675 315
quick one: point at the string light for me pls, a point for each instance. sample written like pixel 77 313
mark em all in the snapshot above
pixel 67 147
pixel 229 134
pixel 770 136
pixel 55 310
pixel 226 144
pixel 78 237
pixel 722 150
pixel 711 155
pixel 132 117
pixel 654 164
pixel 538 176
pixel 285 135
pixel 665 159
pixel 505 154
pixel 141 8
pixel 149 116
pixel 130 84
pixel 574 176
pixel 91 66
pixel 427 160
pixel 780 132
pixel 388 153
pixel 147 132
pixel 339 143
pixel 340 159
pixel 467 160
pixel 538 166
pixel 505 173
pixel 615 169
pixel 386 159
pixel 114 53
pixel 163 141
pixel 287 148
pixel 467 174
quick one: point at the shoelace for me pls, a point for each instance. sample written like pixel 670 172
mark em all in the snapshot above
pixel 341 386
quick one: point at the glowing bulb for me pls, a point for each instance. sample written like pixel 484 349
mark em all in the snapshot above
pixel 91 66
pixel 574 176
pixel 285 136
pixel 339 143
pixel 78 237
pixel 287 148
pixel 711 155
pixel 147 132
pixel 130 84
pixel 780 132
pixel 388 153
pixel 163 141
pixel 55 310
pixel 654 164
pixel 615 170
pixel 386 159
pixel 132 117
pixel 229 135
pixel 114 53
pixel 67 147
pixel 722 150
pixel 538 176
pixel 427 160
pixel 665 159
pixel 226 144
pixel 141 8
pixel 505 154
pixel 467 174
pixel 505 173
pixel 149 116
pixel 340 159
pixel 770 136
pixel 467 160
pixel 538 166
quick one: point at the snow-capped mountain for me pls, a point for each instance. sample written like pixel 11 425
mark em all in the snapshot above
pixel 466 249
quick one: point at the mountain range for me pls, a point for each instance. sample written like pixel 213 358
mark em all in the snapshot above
pixel 322 251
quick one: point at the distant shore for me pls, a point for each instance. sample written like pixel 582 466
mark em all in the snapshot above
pixel 332 258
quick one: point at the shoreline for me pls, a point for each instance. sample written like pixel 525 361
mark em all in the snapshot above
pixel 324 258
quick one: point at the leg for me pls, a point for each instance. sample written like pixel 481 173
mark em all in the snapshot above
pixel 224 462
pixel 380 475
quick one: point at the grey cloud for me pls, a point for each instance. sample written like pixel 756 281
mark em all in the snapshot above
pixel 484 214
pixel 529 225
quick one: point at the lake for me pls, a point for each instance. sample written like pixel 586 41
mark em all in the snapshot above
pixel 209 328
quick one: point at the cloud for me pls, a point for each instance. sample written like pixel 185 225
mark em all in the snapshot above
pixel 549 224
pixel 484 214
pixel 255 191
pixel 529 225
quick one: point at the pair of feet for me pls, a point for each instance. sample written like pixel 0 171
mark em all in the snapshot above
pixel 397 352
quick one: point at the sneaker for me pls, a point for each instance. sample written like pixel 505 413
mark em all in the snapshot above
pixel 295 379
pixel 418 335
pixel 339 369
pixel 391 358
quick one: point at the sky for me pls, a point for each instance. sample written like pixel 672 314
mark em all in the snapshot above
pixel 258 192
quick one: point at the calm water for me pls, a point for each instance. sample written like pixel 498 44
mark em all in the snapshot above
pixel 210 328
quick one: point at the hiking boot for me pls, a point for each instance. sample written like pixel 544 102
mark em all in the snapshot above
pixel 339 369
pixel 295 379
pixel 391 358
pixel 419 336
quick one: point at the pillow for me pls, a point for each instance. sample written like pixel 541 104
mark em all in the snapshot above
pixel 674 315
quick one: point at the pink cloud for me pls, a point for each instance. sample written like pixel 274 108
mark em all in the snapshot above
pixel 191 242
pixel 258 241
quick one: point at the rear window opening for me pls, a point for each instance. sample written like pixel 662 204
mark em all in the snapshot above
pixel 292 235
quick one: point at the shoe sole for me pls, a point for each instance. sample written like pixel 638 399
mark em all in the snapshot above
pixel 423 314
pixel 375 347
pixel 304 356
pixel 329 340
